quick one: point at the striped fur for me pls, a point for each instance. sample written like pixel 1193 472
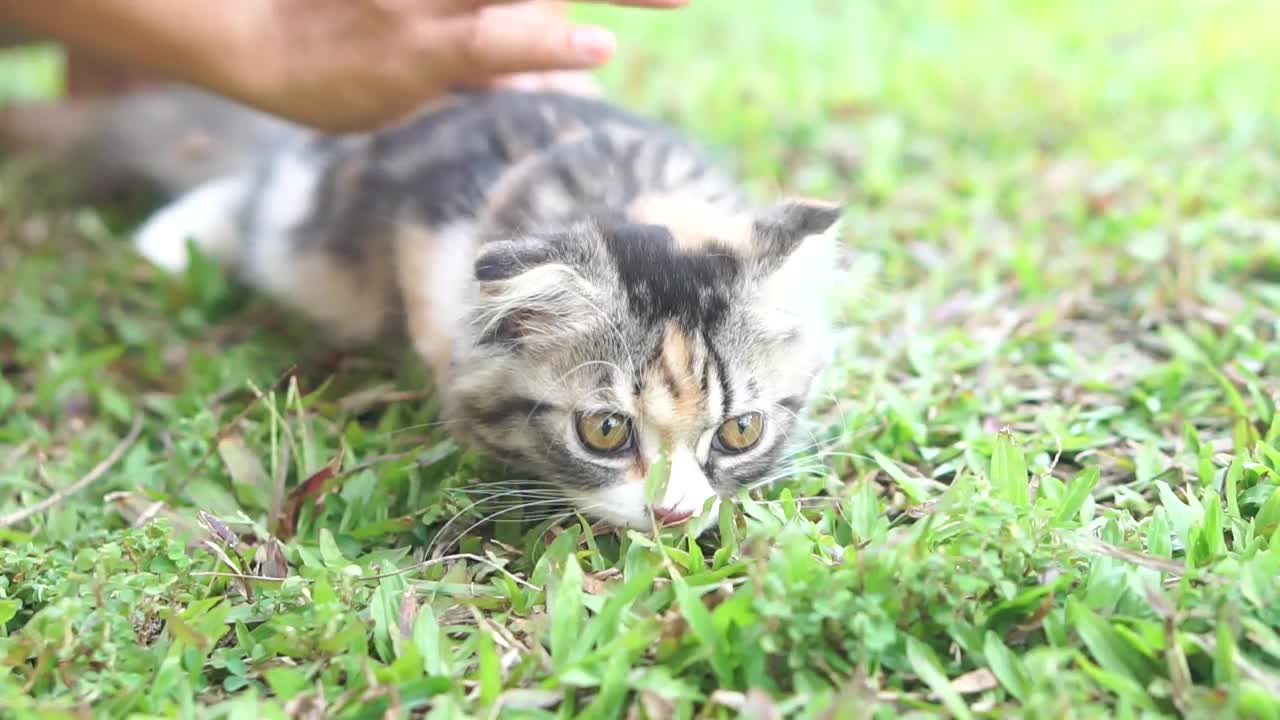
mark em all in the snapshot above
pixel 548 256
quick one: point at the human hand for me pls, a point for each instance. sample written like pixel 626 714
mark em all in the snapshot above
pixel 352 64
pixel 336 65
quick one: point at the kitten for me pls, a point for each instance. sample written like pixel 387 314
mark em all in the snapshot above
pixel 589 290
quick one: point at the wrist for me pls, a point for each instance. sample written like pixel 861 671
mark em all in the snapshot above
pixel 234 60
pixel 202 44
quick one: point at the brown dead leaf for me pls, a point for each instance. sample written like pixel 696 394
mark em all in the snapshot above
pixel 148 627
pixel 1154 562
pixel 408 611
pixel 715 598
pixel 919 510
pixel 974 681
pixel 307 706
pixel 731 699
pixel 674 629
pixel 384 394
pixel 243 465
pixel 270 560
pixel 1031 624
pixel 1180 682
pixel 218 529
pixel 597 583
pixel 856 698
pixel 313 488
pixel 760 706
pixel 529 699
pixel 316 485
pixel 755 703
pixel 237 571
pixel 133 506
pixel 455 615
pixel 77 407
pixel 652 706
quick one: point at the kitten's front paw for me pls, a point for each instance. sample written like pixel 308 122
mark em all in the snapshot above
pixel 205 216
pixel 162 247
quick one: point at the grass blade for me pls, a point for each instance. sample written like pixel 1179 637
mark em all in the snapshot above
pixel 1009 471
pixel 925 664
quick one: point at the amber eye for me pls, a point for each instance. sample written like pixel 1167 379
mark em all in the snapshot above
pixel 605 433
pixel 740 434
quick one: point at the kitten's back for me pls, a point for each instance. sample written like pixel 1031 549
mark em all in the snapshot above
pixel 358 230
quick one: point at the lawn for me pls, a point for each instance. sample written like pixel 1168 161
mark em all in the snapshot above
pixel 1046 470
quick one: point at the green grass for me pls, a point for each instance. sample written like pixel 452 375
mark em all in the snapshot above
pixel 1052 489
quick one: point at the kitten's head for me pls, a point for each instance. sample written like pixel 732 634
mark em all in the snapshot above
pixel 594 351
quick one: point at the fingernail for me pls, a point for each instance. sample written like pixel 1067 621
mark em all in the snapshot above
pixel 593 44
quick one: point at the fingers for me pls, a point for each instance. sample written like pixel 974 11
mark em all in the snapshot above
pixel 624 3
pixel 642 3
pixel 502 39
pixel 572 82
pixel 491 38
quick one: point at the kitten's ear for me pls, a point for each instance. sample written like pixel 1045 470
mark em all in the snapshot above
pixel 527 296
pixel 505 259
pixel 797 246
pixel 778 231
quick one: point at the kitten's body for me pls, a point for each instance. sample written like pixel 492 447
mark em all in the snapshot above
pixel 554 259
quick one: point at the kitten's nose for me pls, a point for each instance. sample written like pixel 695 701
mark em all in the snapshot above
pixel 671 516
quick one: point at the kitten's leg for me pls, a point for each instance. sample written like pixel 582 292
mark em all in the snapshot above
pixel 261 227
pixel 434 273
pixel 350 299
pixel 207 216
pixel 316 248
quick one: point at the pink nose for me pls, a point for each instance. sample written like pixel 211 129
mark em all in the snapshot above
pixel 671 516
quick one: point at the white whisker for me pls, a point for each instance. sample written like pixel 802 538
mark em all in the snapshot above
pixel 485 519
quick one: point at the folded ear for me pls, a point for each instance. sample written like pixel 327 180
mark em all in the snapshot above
pixel 798 262
pixel 505 259
pixel 527 296
pixel 780 230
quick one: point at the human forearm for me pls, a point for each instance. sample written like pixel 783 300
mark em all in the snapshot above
pixel 189 41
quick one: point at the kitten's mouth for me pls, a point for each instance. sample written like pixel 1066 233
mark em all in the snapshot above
pixel 668 517
pixel 665 517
